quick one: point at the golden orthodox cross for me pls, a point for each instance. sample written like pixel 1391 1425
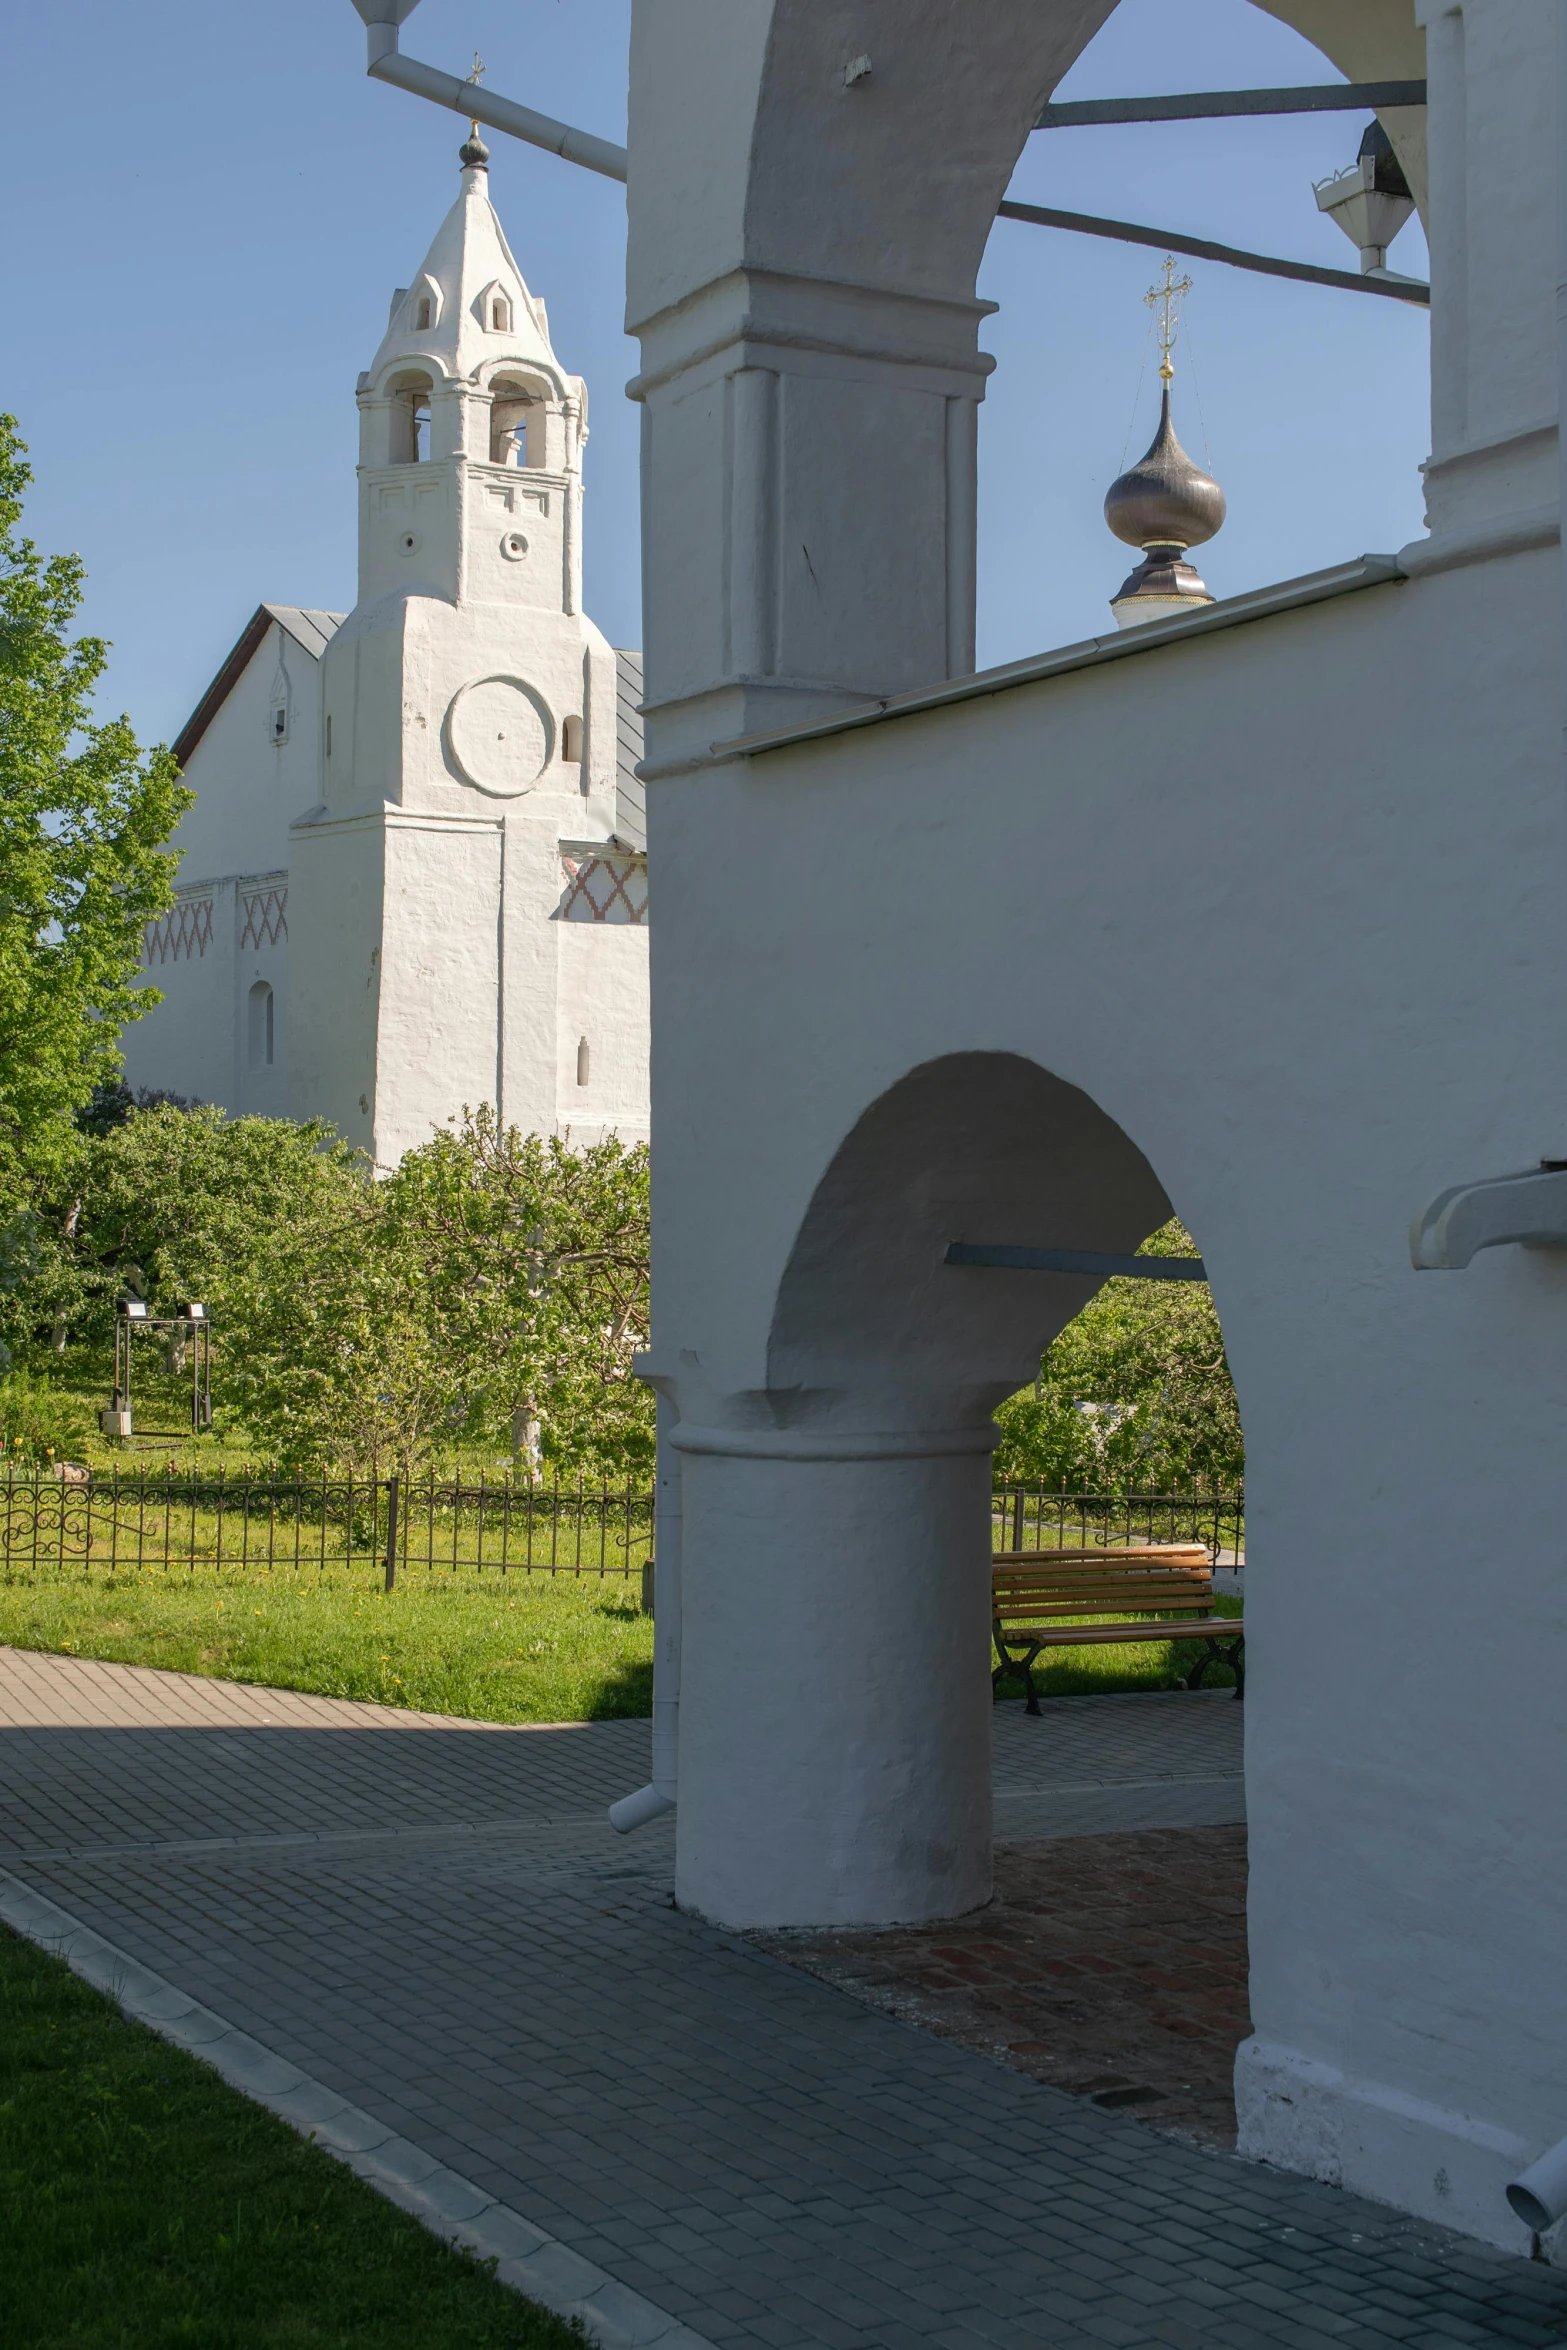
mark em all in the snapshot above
pixel 1166 298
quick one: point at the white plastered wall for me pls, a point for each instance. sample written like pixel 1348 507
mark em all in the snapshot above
pixel 233 858
pixel 1283 902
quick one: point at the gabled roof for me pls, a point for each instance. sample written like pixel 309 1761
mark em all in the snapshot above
pixel 311 631
pixel 630 791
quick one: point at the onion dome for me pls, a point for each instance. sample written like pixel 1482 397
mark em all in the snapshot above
pixel 1165 500
pixel 1164 505
pixel 473 154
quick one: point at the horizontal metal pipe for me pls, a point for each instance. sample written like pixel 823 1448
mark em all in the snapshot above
pixel 1076 1260
pixel 1128 232
pixel 1209 105
pixel 500 114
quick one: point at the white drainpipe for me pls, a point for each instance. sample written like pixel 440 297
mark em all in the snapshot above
pixel 1539 2195
pixel 633 1811
pixel 387 64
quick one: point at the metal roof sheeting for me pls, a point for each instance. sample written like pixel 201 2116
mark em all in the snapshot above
pixel 311 631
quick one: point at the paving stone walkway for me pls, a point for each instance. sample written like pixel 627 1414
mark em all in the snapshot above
pixel 433 1919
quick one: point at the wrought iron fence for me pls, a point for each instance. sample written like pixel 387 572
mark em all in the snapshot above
pixel 197 1523
pixel 216 1524
pixel 1043 1517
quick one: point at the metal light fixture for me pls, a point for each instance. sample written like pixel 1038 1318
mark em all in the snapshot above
pixel 1370 201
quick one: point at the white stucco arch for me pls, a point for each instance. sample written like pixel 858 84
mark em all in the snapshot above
pixel 965 1147
pixel 1281 899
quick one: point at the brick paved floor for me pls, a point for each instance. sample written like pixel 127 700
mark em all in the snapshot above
pixel 1113 1967
pixel 436 1921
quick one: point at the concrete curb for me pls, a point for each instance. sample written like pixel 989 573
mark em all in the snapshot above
pixel 442 2200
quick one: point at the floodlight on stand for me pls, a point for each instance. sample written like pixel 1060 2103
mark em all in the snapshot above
pixel 134 1309
pixel 193 1312
pixel 1370 201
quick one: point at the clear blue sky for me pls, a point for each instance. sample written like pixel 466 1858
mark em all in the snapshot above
pixel 201 251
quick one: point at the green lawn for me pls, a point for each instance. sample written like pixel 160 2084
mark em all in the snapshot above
pixel 497 1649
pixel 494 1648
pixel 144 2205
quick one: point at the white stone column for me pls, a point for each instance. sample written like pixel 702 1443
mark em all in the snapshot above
pixel 809 493
pixel 835 1691
pixel 1492 485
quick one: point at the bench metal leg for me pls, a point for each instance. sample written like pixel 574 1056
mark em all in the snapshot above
pixel 1219 1651
pixel 1013 1669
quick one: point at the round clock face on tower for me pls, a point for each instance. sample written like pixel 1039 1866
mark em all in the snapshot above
pixel 499 735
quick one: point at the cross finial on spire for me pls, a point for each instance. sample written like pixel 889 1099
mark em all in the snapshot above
pixel 1166 299
pixel 475 74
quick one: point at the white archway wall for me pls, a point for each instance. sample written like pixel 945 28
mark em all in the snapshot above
pixel 1280 938
pixel 801 272
pixel 1282 902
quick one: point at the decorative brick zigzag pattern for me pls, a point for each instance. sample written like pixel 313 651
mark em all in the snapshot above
pixel 604 889
pixel 266 918
pixel 185 931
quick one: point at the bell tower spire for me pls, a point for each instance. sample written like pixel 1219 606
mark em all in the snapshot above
pixel 469 709
pixel 466 383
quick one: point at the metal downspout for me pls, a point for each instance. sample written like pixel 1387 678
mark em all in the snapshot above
pixel 387 64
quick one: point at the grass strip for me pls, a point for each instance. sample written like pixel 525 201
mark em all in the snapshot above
pixel 145 2205
pixel 491 1650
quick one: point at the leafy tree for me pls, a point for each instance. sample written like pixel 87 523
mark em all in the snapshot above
pixel 1135 1391
pixel 492 1282
pixel 84 816
pixel 532 1257
pixel 166 1205
pixel 325 1345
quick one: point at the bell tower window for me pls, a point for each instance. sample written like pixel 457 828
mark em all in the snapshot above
pixel 500 314
pixel 410 422
pixel 422 312
pixel 511 429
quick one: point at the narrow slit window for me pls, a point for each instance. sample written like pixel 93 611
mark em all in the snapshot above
pixel 571 742
pixel 422 314
pixel 329 734
pixel 500 314
pixel 279 721
pixel 582 1062
pixel 261 1034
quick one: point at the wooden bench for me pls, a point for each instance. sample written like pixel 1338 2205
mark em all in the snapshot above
pixel 1102 1597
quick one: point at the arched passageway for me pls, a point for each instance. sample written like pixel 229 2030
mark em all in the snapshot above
pixel 1281 895
pixel 852 1521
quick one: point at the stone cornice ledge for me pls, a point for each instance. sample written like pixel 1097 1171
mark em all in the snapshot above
pixel 1291 595
pixel 1489 541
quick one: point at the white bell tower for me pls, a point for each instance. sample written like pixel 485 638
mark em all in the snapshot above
pixel 469 719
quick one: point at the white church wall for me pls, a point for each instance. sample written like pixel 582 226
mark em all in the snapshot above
pixel 401 829
pixel 187 1045
pixel 1175 883
pixel 249 784
pixel 335 894
pixel 439 1039
pixel 601 942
